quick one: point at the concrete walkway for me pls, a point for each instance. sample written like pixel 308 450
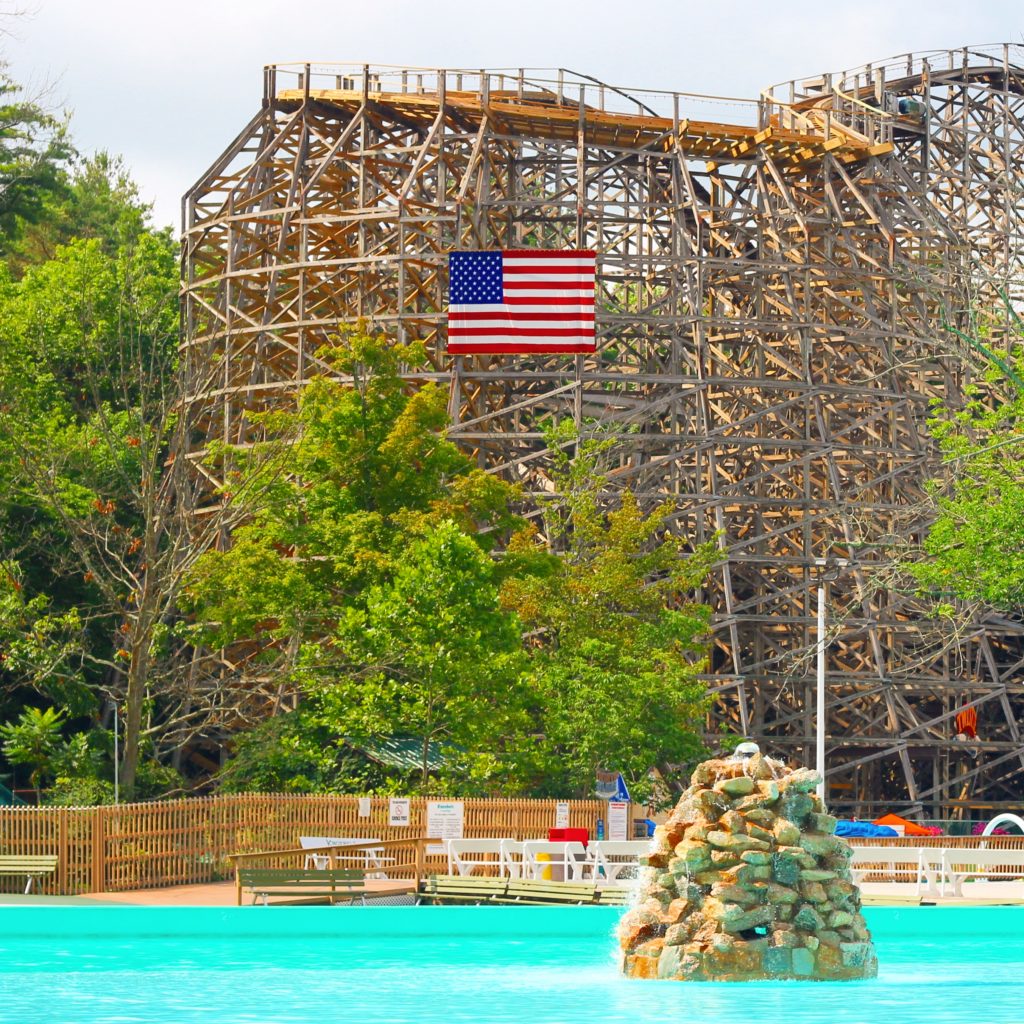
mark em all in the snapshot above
pixel 214 894
pixel 975 894
pixel 222 894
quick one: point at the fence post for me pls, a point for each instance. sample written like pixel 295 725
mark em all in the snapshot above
pixel 421 852
pixel 98 852
pixel 62 852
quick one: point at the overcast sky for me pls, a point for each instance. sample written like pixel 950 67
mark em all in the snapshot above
pixel 168 85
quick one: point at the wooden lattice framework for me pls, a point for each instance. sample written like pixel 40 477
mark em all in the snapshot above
pixel 772 279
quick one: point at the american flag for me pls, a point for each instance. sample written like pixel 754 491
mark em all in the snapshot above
pixel 521 300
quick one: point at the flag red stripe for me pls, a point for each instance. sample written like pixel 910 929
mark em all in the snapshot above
pixel 554 286
pixel 518 332
pixel 566 254
pixel 525 268
pixel 466 317
pixel 502 348
pixel 549 300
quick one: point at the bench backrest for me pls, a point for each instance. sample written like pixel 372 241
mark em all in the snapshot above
pixel 19 864
pixel 276 876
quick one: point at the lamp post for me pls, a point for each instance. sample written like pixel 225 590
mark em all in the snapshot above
pixel 117 754
pixel 822 645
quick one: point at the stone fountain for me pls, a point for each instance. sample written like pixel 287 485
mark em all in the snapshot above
pixel 747 881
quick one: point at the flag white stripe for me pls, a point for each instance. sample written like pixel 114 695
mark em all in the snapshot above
pixel 584 262
pixel 574 295
pixel 577 282
pixel 464 309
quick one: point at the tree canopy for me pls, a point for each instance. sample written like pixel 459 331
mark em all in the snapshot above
pixel 357 582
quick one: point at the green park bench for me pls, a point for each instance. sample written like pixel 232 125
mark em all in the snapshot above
pixel 299 885
pixel 32 866
pixel 458 889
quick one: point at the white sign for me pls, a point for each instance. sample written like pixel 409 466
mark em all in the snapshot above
pixel 364 807
pixel 398 811
pixel 561 814
pixel 618 819
pixel 445 820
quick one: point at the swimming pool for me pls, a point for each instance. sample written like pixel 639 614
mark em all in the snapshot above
pixel 320 965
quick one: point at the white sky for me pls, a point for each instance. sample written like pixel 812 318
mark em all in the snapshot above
pixel 168 85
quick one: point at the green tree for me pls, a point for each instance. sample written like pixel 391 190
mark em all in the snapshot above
pixel 99 200
pixel 974 548
pixel 616 645
pixel 372 483
pixel 430 654
pixel 89 427
pixel 34 740
pixel 39 650
pixel 34 153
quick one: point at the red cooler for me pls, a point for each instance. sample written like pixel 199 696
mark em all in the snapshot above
pixel 568 835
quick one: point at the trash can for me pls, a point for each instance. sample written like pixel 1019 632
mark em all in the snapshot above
pixel 548 873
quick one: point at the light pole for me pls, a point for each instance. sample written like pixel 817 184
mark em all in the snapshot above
pixel 820 717
pixel 117 754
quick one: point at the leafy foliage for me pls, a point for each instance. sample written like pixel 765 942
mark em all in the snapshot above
pixel 615 644
pixel 34 152
pixel 974 549
pixel 34 740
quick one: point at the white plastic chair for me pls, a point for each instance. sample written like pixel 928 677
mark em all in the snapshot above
pixel 923 864
pixel 466 855
pixel 511 858
pixel 570 857
pixel 372 859
pixel 609 858
pixel 992 865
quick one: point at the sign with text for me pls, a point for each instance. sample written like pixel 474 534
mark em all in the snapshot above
pixel 398 811
pixel 562 814
pixel 618 819
pixel 445 820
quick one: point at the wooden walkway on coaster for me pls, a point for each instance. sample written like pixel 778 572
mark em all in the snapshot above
pixel 537 116
pixel 468 889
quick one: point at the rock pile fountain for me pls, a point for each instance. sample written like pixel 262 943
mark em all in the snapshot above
pixel 746 881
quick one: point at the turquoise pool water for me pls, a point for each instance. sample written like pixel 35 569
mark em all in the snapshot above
pixel 320 965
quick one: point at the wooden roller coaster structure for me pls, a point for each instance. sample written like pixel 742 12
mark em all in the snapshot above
pixel 772 280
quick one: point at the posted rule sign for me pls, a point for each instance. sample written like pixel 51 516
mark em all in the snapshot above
pixel 618 819
pixel 398 811
pixel 445 820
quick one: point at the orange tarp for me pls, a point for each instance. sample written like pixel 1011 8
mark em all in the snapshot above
pixel 910 828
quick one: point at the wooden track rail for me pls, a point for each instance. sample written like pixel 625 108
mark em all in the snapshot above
pixel 772 278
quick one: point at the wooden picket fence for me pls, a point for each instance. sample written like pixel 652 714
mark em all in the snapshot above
pixel 188 841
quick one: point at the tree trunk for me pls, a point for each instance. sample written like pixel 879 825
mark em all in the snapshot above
pixel 138 672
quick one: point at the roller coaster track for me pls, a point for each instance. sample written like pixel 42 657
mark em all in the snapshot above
pixel 773 277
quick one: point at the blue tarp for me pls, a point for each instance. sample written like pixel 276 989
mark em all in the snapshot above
pixel 863 829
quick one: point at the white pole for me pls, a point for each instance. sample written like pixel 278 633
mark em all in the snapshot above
pixel 820 744
pixel 117 793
